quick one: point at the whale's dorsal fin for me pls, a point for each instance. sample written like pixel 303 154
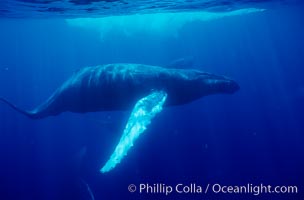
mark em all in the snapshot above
pixel 142 114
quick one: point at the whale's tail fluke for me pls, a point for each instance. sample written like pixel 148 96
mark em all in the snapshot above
pixel 30 114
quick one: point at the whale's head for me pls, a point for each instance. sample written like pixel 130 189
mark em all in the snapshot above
pixel 211 84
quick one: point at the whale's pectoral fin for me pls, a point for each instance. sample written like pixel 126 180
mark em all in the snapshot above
pixel 141 116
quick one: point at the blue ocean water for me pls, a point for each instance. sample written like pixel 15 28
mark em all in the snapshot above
pixel 254 136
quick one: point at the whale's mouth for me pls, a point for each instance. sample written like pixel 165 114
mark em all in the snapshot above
pixel 229 86
pixel 222 84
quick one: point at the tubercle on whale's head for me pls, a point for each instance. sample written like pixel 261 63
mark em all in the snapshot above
pixel 218 84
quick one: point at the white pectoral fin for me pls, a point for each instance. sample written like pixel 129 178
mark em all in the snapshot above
pixel 142 114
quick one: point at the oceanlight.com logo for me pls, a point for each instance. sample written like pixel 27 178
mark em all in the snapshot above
pixel 193 188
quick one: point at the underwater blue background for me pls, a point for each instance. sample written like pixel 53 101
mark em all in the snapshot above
pixel 253 136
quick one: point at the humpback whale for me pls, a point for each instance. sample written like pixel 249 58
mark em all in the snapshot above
pixel 122 86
